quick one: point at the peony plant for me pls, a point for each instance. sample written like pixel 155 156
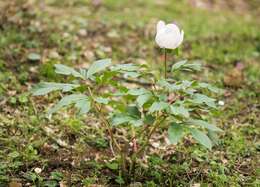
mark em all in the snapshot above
pixel 168 36
pixel 148 105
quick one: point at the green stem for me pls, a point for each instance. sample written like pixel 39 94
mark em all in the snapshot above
pixel 133 156
pixel 165 63
pixel 104 121
pixel 156 124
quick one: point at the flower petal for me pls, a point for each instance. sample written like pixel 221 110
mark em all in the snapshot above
pixel 181 38
pixel 168 36
pixel 173 28
pixel 160 25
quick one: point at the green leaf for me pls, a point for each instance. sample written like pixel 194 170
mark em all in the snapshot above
pixel 98 66
pixel 136 123
pixel 14 154
pixel 182 85
pixel 210 87
pixel 107 77
pixel 175 133
pixel 83 72
pixel 137 91
pixel 183 65
pixel 202 138
pixel 81 101
pixel 112 166
pixel 213 137
pixel 84 105
pixel 55 175
pixel 125 67
pixel 131 116
pixel 143 95
pixel 121 119
pixel 131 74
pixel 178 65
pixel 23 98
pixel 128 70
pixel 179 110
pixel 186 84
pixel 193 66
pixel 204 124
pixel 165 84
pixel 66 70
pixel 120 180
pixel 142 99
pixel 34 57
pixel 133 111
pixel 200 99
pixel 101 100
pixel 149 119
pixel 158 106
pixel 47 87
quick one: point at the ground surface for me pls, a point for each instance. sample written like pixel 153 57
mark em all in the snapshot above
pixel 34 35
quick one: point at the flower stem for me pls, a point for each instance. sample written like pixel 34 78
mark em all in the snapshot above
pixel 165 63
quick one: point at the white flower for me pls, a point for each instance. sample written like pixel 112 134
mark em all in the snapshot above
pixel 37 170
pixel 168 36
pixel 221 103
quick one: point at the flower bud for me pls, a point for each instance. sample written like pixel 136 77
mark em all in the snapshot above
pixel 168 36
